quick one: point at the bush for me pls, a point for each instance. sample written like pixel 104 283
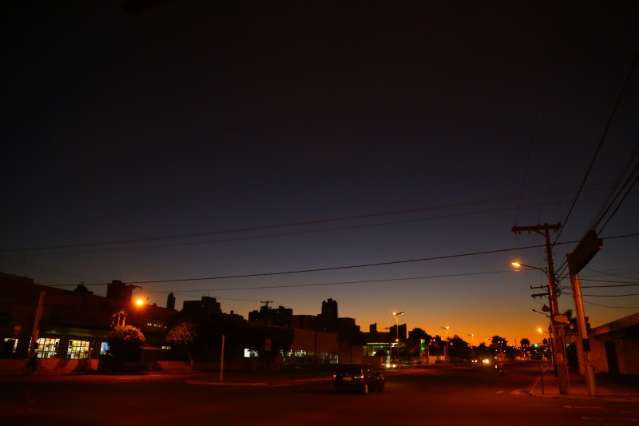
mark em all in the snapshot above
pixel 125 343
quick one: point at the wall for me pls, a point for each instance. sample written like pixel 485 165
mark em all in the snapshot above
pixel 598 356
pixel 628 355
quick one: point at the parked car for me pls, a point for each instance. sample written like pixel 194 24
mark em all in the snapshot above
pixel 358 377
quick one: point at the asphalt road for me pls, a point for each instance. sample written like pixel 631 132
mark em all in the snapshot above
pixel 420 397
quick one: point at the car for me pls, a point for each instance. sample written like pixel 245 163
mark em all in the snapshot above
pixel 358 377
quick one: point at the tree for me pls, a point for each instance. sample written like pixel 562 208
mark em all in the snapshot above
pixel 181 337
pixel 498 343
pixel 413 343
pixel 459 348
pixel 181 334
pixel 125 348
pixel 525 343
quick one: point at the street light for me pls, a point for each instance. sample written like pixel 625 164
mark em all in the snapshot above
pixel 446 327
pixel 518 266
pixel 139 302
pixel 397 315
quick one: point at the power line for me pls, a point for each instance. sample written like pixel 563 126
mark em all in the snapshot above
pixel 560 271
pixel 599 146
pixel 611 274
pixel 268 236
pixel 118 244
pixel 610 306
pixel 623 282
pixel 623 198
pixel 249 228
pixel 352 282
pixel 618 187
pixel 345 267
pixel 327 268
pixel 611 295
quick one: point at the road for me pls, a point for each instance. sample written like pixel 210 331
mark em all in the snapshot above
pixel 423 397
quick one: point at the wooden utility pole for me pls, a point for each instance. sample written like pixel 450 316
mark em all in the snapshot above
pixel 557 326
pixel 222 360
pixel 577 260
pixel 35 330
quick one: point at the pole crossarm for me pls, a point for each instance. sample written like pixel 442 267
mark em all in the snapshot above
pixel 538 229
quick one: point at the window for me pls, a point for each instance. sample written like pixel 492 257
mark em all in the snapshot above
pixel 10 345
pixel 104 348
pixel 166 348
pixel 78 349
pixel 47 347
pixel 250 353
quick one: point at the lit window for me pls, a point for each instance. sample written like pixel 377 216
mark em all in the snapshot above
pixel 78 349
pixel 250 353
pixel 47 347
pixel 11 343
pixel 104 348
pixel 166 348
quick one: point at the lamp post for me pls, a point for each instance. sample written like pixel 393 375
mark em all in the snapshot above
pixel 556 326
pixel 447 328
pixel 397 315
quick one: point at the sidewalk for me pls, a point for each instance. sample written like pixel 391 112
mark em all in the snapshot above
pixel 231 378
pixel 258 378
pixel 620 388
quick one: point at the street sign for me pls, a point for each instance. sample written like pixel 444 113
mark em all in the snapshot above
pixel 584 252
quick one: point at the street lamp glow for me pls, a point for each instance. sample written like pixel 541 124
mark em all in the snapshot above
pixel 139 302
pixel 540 330
pixel 516 264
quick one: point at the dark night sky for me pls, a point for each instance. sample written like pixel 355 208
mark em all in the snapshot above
pixel 186 118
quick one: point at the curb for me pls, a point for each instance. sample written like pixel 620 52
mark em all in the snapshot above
pixel 296 382
pixel 610 397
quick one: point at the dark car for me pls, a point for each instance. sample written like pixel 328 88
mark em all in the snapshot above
pixel 358 377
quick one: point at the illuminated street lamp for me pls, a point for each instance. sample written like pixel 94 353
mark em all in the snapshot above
pixel 139 302
pixel 447 328
pixel 397 315
pixel 518 266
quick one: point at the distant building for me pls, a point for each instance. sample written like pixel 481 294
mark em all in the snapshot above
pixel 170 301
pixel 329 309
pixel 206 307
pixel 120 292
pixel 402 332
pixel 281 316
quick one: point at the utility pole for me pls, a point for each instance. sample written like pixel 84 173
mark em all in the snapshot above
pixel 558 330
pixel 35 330
pixel 222 360
pixel 577 260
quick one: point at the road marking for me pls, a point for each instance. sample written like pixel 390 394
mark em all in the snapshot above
pixel 578 407
pixel 251 384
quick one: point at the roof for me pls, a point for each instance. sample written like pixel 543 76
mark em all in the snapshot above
pixel 617 325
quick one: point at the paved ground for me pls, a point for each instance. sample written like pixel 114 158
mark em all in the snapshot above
pixel 431 397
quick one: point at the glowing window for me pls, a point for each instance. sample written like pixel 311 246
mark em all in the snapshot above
pixel 11 343
pixel 47 347
pixel 78 349
pixel 104 348
pixel 250 353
